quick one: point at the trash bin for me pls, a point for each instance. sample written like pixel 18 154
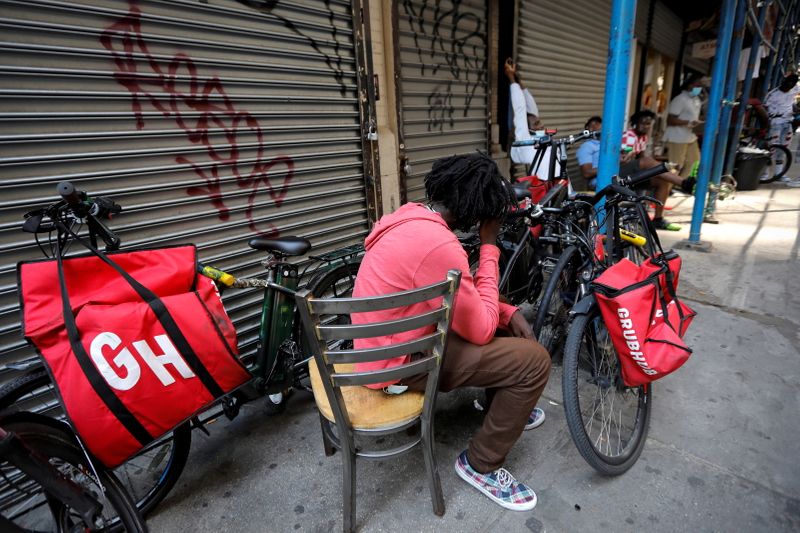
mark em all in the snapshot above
pixel 750 164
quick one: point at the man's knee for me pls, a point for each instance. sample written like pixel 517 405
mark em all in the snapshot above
pixel 534 362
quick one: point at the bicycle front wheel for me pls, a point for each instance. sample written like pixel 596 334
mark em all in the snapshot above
pixel 27 506
pixel 148 476
pixel 607 420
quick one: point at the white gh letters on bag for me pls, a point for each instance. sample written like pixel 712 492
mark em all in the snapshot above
pixel 125 360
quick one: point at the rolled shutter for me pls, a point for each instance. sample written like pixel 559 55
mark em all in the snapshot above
pixel 443 103
pixel 563 57
pixel 665 36
pixel 209 122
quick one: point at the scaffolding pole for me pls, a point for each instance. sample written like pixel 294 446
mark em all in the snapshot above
pixel 623 14
pixel 728 101
pixel 724 38
pixel 747 85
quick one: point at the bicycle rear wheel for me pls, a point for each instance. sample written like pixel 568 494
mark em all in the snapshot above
pixel 607 420
pixel 337 282
pixel 780 161
pixel 148 477
pixel 27 506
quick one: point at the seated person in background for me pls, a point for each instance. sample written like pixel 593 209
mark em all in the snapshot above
pixel 526 121
pixel 588 153
pixel 634 158
pixel 415 246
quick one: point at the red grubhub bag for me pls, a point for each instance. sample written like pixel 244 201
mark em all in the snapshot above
pixel 136 342
pixel 644 317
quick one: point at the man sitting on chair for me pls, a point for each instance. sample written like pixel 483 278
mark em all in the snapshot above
pixel 415 246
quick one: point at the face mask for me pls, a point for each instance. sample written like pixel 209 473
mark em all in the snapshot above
pixel 696 91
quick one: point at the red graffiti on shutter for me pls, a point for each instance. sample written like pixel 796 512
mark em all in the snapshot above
pixel 201 108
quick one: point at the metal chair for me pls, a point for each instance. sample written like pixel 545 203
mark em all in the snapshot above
pixel 347 409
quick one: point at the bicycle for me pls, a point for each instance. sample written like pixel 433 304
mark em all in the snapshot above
pixel 780 155
pixel 607 420
pixel 49 484
pixel 278 366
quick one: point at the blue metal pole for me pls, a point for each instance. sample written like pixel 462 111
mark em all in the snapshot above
pixel 619 57
pixel 724 37
pixel 776 40
pixel 727 101
pixel 747 85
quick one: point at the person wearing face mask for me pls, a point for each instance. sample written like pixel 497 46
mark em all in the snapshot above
pixel 683 116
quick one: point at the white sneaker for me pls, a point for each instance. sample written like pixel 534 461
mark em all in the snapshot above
pixel 793 183
pixel 784 179
pixel 535 419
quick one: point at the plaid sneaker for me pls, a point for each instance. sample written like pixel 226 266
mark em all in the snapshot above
pixel 535 419
pixel 500 486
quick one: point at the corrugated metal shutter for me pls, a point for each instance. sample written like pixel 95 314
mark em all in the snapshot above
pixel 208 121
pixel 443 105
pixel 562 51
pixel 667 28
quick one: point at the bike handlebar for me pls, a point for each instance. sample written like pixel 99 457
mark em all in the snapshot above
pixel 545 140
pixel 75 203
pixel 621 186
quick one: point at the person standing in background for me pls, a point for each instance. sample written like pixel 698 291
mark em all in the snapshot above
pixel 779 103
pixel 526 120
pixel 683 115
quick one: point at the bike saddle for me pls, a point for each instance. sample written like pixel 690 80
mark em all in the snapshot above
pixel 522 192
pixel 281 246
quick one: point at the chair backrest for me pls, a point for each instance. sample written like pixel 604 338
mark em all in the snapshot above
pixel 320 333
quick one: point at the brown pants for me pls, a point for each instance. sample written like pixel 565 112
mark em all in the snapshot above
pixel 514 370
pixel 685 155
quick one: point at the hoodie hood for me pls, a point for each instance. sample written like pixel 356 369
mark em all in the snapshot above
pixel 407 213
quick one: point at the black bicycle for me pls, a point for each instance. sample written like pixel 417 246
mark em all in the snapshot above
pixel 48 482
pixel 608 421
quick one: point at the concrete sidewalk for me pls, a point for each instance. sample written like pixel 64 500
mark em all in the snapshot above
pixel 722 453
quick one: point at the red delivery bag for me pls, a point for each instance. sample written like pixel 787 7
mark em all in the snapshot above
pixel 136 342
pixel 644 317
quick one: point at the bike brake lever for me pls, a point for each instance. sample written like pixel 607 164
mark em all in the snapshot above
pixel 650 199
pixel 33 222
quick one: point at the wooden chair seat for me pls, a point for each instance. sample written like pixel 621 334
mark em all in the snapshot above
pixel 367 408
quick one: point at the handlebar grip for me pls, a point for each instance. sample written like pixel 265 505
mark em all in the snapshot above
pixel 69 193
pixel 643 175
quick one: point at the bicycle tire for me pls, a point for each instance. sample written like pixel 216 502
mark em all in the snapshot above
pixel 54 440
pixel 552 309
pixel 585 330
pixel 160 470
pixel 772 174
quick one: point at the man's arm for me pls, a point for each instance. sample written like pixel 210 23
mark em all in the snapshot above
pixel 478 311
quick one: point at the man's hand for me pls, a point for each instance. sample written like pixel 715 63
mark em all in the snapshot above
pixel 511 70
pixel 627 156
pixel 489 231
pixel 519 326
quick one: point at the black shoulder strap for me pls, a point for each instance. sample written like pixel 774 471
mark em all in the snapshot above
pixel 165 318
pixel 97 382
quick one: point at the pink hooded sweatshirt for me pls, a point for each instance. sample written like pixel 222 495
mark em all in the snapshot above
pixel 413 247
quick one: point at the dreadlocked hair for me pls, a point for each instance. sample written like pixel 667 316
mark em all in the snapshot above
pixel 470 187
